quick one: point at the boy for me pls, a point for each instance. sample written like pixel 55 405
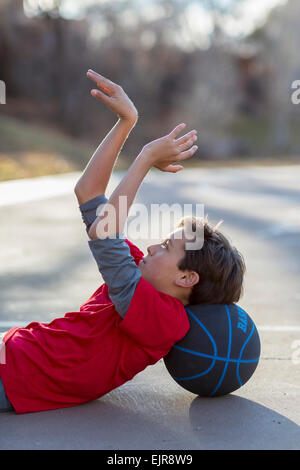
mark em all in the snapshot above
pixel 138 314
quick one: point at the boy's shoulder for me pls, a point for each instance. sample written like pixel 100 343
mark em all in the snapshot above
pixel 155 318
pixel 135 252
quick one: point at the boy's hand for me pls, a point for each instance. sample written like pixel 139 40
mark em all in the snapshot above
pixel 114 97
pixel 161 153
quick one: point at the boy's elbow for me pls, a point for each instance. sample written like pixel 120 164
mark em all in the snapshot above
pixel 78 182
pixel 77 188
pixel 80 193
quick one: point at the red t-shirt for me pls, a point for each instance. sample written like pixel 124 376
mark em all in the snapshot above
pixel 85 354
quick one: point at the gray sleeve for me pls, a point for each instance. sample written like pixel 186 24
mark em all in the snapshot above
pixel 89 209
pixel 113 258
pixel 118 269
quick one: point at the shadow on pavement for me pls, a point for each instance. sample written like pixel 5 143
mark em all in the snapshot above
pixel 233 422
pixel 95 425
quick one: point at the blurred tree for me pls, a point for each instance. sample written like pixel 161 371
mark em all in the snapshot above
pixel 219 9
pixel 49 11
pixel 278 41
pixel 41 7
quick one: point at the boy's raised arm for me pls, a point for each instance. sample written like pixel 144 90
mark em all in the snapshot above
pixel 96 175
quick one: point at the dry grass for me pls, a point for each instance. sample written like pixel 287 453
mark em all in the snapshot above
pixel 28 150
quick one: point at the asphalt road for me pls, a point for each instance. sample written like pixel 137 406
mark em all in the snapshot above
pixel 48 270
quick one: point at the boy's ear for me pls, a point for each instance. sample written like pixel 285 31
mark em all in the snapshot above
pixel 187 279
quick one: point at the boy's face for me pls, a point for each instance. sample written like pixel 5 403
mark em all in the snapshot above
pixel 159 267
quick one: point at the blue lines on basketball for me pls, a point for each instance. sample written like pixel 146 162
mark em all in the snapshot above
pixel 204 329
pixel 218 358
pixel 194 352
pixel 228 353
pixel 241 352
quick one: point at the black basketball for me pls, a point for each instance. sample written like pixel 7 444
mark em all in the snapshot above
pixel 219 353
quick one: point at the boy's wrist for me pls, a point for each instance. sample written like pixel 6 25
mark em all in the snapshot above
pixel 129 120
pixel 145 157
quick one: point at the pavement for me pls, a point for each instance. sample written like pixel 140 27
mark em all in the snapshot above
pixel 48 270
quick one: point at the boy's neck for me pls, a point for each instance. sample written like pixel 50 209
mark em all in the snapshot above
pixel 183 298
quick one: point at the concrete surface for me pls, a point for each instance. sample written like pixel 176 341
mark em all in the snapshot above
pixel 47 270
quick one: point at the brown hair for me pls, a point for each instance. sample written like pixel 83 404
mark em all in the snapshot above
pixel 220 266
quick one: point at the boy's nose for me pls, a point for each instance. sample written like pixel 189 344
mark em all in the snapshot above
pixel 151 249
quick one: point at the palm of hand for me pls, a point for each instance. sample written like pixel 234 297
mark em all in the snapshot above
pixel 165 151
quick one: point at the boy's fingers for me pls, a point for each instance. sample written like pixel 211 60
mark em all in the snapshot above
pixel 186 137
pixel 174 168
pixel 174 133
pixel 97 76
pixel 188 153
pixel 102 82
pixel 177 168
pixel 100 96
pixel 188 142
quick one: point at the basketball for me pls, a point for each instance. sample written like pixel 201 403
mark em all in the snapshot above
pixel 219 353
